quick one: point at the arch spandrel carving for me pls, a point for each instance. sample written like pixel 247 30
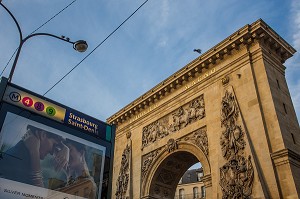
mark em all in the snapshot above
pixel 197 138
pixel 168 166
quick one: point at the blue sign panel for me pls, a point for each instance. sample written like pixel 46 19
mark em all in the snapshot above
pixel 75 150
pixel 85 123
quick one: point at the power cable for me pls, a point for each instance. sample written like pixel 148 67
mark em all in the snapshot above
pixel 54 16
pixel 96 47
pixel 8 62
pixel 18 115
pixel 37 30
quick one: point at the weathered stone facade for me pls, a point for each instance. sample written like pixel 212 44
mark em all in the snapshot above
pixel 229 109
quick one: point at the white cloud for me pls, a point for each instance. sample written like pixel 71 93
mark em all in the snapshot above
pixel 164 12
pixel 296 23
pixel 157 41
pixel 293 63
pixel 159 19
pixel 163 42
pixel 296 97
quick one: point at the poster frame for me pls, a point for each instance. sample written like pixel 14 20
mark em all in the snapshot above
pixel 108 144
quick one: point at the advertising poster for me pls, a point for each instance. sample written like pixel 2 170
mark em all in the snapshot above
pixel 38 161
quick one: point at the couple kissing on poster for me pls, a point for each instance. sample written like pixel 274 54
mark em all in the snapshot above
pixel 22 162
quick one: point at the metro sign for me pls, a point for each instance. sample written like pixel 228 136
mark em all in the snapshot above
pixel 34 104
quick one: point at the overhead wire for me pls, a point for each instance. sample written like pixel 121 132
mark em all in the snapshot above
pixel 18 115
pixel 54 16
pixel 37 30
pixel 95 48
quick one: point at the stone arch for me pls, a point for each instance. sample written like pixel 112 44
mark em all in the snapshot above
pixel 253 152
pixel 163 176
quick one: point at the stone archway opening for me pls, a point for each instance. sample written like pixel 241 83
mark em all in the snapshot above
pixel 169 173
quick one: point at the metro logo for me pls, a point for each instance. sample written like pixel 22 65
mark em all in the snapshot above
pixel 39 106
pixel 33 103
pixel 15 96
pixel 50 111
pixel 27 101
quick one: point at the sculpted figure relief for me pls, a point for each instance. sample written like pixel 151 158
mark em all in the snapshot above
pixel 201 140
pixel 196 110
pixel 123 179
pixel 232 142
pixel 147 161
pixel 236 175
pixel 179 118
pixel 199 137
pixel 237 178
pixel 173 122
pixel 229 111
pixel 145 137
pixel 172 145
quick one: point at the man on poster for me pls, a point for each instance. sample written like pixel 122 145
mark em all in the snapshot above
pixel 21 163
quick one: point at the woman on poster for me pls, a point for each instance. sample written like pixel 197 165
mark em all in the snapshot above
pixel 77 170
pixel 21 163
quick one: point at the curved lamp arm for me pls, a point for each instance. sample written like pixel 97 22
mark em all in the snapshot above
pixel 79 45
pixel 16 22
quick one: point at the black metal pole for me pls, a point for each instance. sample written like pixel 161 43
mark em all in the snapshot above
pixel 16 22
pixel 19 29
pixel 22 41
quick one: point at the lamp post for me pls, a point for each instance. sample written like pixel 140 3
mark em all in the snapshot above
pixel 79 45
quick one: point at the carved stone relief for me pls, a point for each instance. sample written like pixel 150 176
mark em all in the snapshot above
pixel 198 137
pixel 171 123
pixel 237 178
pixel 147 160
pixel 182 117
pixel 155 131
pixel 172 145
pixel 225 80
pixel 124 173
pixel 236 175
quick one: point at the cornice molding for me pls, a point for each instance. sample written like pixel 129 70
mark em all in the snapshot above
pixel 286 156
pixel 257 31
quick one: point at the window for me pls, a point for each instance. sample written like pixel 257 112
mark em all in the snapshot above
pixel 181 193
pixel 203 192
pixel 278 83
pixel 284 107
pixel 293 138
pixel 200 174
pixel 195 192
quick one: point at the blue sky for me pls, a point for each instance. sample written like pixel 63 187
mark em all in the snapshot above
pixel 156 42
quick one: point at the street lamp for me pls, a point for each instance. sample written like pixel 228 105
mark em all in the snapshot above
pixel 79 45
